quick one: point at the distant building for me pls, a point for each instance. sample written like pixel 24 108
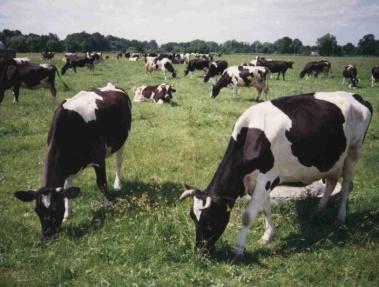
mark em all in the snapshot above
pixel 2 46
pixel 315 53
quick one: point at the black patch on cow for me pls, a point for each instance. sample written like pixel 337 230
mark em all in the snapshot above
pixel 245 75
pixel 256 150
pixel 275 183
pixel 363 102
pixel 268 184
pixel 316 135
pixel 147 92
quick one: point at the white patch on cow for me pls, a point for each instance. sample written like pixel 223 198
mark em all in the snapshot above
pixel 160 101
pixel 110 87
pixel 214 64
pixel 197 205
pixel 22 60
pixel 46 66
pixel 84 103
pixel 46 200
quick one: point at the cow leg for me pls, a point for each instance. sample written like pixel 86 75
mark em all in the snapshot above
pixel 101 181
pixel 372 81
pixel 343 81
pixel 74 68
pixel 191 75
pixel 234 91
pixel 164 73
pixel 68 206
pixel 347 182
pixel 258 199
pixel 329 187
pixel 16 93
pixel 53 91
pixel 270 229
pixel 119 159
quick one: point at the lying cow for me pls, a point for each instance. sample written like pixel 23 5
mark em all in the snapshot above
pixel 349 74
pixel 14 75
pixel 155 63
pixel 157 94
pixel 196 64
pixel 291 139
pixel 47 55
pixel 215 68
pixel 72 62
pixel 374 75
pixel 243 76
pixel 85 130
pixel 316 67
pixel 279 67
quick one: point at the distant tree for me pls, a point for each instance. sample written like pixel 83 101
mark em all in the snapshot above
pixel 366 45
pixel 283 45
pixel 296 46
pixel 327 45
pixel 349 49
pixel 306 50
pixel 18 43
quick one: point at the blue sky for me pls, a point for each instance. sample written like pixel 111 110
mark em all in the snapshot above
pixel 177 20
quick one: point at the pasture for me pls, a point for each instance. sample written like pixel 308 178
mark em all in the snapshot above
pixel 147 239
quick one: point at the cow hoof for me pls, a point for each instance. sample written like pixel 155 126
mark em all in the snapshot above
pixel 238 251
pixel 65 220
pixel 264 241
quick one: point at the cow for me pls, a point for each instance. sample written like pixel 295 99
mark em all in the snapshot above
pixel 349 73
pixel 68 55
pixel 215 68
pixel 79 61
pixel 243 76
pixel 196 64
pixel 316 67
pixel 119 55
pixel 22 60
pixel 275 66
pixel 14 75
pixel 154 63
pixel 47 55
pixel 374 75
pixel 97 56
pixel 157 94
pixel 289 140
pixel 85 130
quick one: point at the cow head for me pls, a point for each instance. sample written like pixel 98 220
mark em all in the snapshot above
pixel 50 206
pixel 164 93
pixel 353 82
pixel 290 64
pixel 212 71
pixel 210 218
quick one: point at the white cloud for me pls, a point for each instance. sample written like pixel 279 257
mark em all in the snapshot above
pixel 172 20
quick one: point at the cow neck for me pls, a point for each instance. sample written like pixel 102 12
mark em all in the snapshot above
pixel 53 174
pixel 227 183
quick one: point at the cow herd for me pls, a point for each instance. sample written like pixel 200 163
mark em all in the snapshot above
pixel 291 140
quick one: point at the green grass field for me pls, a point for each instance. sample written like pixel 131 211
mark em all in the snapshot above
pixel 147 239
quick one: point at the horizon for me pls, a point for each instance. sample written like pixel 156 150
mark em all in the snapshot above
pixel 348 20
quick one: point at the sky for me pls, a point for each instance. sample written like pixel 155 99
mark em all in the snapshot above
pixel 210 20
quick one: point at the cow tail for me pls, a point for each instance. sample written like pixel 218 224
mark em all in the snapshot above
pixel 66 87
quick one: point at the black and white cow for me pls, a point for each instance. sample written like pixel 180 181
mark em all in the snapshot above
pixel 155 63
pixel 247 76
pixel 275 66
pixel 14 75
pixel 85 130
pixel 374 75
pixel 349 74
pixel 215 68
pixel 295 139
pixel 72 62
pixel 196 64
pixel 157 94
pixel 47 55
pixel 316 67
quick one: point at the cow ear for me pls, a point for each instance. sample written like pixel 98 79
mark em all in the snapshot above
pixel 26 196
pixel 71 192
pixel 10 71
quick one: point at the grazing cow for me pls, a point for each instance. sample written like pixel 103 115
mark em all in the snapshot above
pixel 68 55
pixel 157 94
pixel 154 63
pixel 14 75
pixel 79 61
pixel 350 74
pixel 47 55
pixel 97 56
pixel 196 64
pixel 85 130
pixel 215 68
pixel 295 139
pixel 279 67
pixel 119 55
pixel 374 75
pixel 243 76
pixel 316 67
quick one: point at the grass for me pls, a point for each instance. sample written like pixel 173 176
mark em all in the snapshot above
pixel 148 238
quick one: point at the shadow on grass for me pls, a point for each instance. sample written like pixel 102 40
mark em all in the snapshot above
pixel 134 196
pixel 321 233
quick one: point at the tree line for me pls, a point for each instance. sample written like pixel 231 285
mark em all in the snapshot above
pixel 326 45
